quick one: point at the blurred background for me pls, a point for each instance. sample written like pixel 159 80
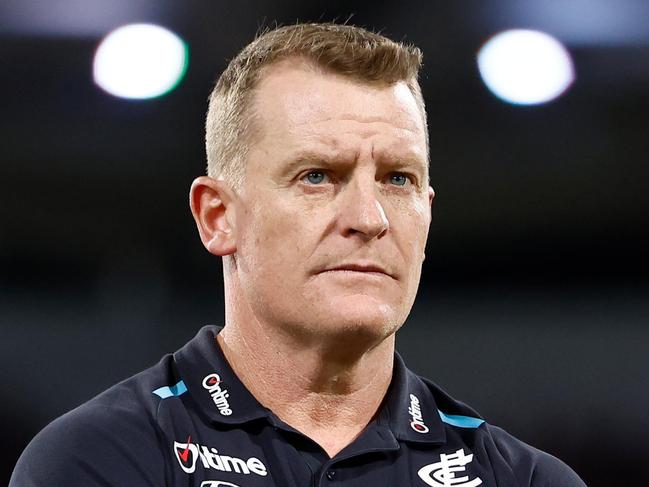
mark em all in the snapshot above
pixel 533 306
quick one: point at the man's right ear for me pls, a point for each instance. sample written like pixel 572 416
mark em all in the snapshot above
pixel 211 203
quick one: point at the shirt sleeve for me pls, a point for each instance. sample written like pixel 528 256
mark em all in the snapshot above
pixel 549 471
pixel 533 467
pixel 92 446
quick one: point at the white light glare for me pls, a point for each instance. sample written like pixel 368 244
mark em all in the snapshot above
pixel 525 67
pixel 140 61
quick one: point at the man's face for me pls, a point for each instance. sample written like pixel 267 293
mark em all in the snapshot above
pixel 334 213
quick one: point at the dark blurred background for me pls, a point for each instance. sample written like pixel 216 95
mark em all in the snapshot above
pixel 534 302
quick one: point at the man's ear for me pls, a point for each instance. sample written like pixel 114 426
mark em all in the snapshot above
pixel 211 203
pixel 431 197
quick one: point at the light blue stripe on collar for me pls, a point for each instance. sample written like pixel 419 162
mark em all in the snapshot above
pixel 169 391
pixel 460 421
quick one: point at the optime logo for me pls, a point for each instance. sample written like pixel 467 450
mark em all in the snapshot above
pixel 189 454
pixel 417 422
pixel 212 382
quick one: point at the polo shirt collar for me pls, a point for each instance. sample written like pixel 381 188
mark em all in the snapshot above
pixel 409 410
pixel 212 383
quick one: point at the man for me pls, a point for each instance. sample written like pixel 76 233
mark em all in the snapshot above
pixel 318 201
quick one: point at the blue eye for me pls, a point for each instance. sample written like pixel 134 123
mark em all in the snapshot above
pixel 315 177
pixel 398 179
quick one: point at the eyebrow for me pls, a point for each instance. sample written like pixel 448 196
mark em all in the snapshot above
pixel 307 157
pixel 406 161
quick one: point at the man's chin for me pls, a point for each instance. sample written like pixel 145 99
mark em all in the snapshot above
pixel 361 318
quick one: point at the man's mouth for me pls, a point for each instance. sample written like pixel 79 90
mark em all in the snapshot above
pixel 360 267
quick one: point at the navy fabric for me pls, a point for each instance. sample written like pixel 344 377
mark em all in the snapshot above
pixel 189 421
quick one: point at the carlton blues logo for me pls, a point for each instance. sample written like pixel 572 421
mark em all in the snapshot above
pixel 445 472
pixel 212 382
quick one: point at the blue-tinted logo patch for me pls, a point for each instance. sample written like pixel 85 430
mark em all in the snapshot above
pixel 170 391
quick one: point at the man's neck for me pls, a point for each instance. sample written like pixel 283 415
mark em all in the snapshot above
pixel 328 396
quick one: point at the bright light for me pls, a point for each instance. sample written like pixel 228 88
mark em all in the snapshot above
pixel 525 67
pixel 140 61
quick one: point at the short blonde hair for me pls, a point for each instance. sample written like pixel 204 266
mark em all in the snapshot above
pixel 342 49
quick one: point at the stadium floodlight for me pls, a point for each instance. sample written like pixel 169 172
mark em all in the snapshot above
pixel 525 67
pixel 140 61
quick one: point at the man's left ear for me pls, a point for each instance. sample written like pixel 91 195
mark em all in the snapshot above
pixel 211 202
pixel 431 197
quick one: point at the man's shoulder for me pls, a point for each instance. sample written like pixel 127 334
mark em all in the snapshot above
pixel 111 439
pixel 133 400
pixel 533 466
pixel 529 465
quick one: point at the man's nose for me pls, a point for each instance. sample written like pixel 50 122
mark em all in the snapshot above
pixel 361 210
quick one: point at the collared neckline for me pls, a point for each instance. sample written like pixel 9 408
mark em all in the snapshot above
pixel 206 373
pixel 202 357
pixel 410 410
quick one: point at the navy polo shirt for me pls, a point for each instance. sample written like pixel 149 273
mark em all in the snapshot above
pixel 189 421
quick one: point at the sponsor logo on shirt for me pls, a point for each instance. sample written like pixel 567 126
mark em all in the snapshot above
pixel 212 382
pixel 188 455
pixel 442 473
pixel 414 410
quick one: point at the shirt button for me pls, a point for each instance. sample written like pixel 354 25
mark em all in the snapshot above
pixel 331 474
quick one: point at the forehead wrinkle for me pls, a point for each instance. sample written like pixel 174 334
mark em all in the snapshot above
pixel 393 123
pixel 317 155
pixel 330 147
pixel 338 144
